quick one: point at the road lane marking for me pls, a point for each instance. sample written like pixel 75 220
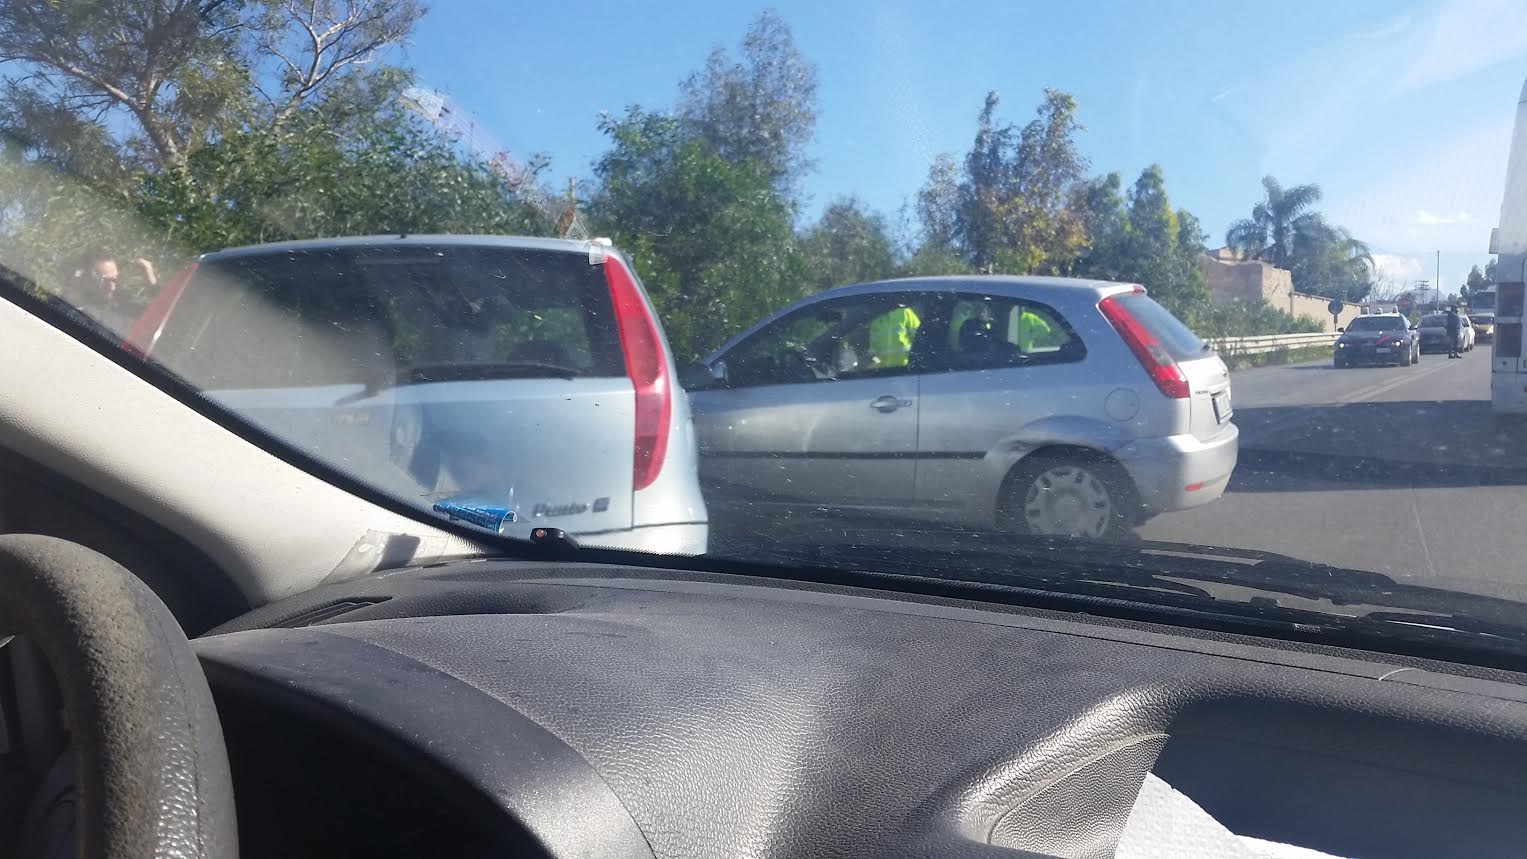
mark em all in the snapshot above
pixel 1415 512
pixel 1365 394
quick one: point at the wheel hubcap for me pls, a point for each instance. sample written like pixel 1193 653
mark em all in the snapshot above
pixel 1068 500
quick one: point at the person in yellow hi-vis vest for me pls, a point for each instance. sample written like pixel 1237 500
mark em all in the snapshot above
pixel 1032 329
pixel 891 336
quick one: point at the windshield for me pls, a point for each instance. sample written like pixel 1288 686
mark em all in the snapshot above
pixel 1377 323
pixel 743 283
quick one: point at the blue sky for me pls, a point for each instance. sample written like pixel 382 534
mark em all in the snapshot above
pixel 1402 112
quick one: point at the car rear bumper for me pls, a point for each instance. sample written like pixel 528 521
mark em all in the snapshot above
pixel 1363 356
pixel 688 538
pixel 1180 471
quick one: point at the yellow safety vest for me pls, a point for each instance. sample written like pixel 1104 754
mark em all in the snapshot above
pixel 1031 327
pixel 891 335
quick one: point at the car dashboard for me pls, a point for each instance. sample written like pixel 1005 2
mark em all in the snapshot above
pixel 565 709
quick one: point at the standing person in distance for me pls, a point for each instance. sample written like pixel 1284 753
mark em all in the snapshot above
pixel 1454 333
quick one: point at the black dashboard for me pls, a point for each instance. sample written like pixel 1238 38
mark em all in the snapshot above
pixel 556 709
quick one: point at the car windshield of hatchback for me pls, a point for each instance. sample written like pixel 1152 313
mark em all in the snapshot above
pixel 891 286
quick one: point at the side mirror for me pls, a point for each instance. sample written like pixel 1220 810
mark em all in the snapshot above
pixel 1341 329
pixel 697 377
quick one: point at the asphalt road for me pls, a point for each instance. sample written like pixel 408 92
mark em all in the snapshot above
pixel 1399 470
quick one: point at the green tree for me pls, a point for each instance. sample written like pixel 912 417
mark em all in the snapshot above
pixel 1142 239
pixel 761 108
pixel 1328 261
pixel 711 237
pixel 984 193
pixel 175 75
pixel 1476 281
pixel 48 215
pixel 1015 212
pixel 938 203
pixel 391 175
pixel 1150 243
pixel 1099 203
pixel 929 261
pixel 848 245
pixel 703 199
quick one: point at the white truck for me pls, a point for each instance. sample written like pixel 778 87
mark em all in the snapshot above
pixel 1508 369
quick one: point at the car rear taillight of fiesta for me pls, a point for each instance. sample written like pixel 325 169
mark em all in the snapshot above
pixel 1153 356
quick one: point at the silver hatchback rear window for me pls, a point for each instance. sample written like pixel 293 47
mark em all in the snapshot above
pixel 342 315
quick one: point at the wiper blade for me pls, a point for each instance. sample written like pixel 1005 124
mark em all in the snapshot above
pixel 1214 577
pixel 420 374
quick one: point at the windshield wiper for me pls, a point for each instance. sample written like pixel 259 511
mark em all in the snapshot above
pixel 421 374
pixel 1265 587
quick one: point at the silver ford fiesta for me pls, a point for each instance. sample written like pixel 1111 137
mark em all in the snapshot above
pixel 1041 405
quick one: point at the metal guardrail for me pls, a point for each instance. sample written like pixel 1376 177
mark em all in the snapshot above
pixel 1264 343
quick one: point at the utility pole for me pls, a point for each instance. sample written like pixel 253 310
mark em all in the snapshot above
pixel 1439 281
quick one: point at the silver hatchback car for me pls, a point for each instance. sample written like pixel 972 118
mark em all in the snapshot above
pixel 509 383
pixel 1042 405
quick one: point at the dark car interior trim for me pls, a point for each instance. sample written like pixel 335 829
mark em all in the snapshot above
pixel 728 715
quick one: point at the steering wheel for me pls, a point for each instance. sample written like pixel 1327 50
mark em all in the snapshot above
pixel 800 361
pixel 150 772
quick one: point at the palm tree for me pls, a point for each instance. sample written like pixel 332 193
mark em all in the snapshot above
pixel 1355 256
pixel 1328 261
pixel 1282 219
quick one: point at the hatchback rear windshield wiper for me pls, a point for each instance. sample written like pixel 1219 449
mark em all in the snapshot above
pixel 420 374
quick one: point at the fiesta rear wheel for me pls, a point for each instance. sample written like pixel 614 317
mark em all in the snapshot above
pixel 1068 495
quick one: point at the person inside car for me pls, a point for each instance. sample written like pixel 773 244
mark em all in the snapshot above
pixel 91 287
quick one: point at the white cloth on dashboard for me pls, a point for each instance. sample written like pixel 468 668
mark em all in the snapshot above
pixel 1166 824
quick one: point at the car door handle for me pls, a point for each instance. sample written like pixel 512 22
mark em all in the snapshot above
pixel 888 403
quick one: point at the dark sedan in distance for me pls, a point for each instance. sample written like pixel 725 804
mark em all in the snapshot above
pixel 1378 338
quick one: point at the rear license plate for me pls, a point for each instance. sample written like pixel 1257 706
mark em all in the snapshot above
pixel 1222 411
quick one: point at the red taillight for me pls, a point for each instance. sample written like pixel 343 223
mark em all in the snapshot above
pixel 648 369
pixel 1153 356
pixel 144 332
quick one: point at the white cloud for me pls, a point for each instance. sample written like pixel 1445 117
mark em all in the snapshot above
pixel 1397 268
pixel 1464 37
pixel 1384 31
pixel 1427 218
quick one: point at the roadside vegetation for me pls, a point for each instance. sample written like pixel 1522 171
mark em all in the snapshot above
pixel 165 128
